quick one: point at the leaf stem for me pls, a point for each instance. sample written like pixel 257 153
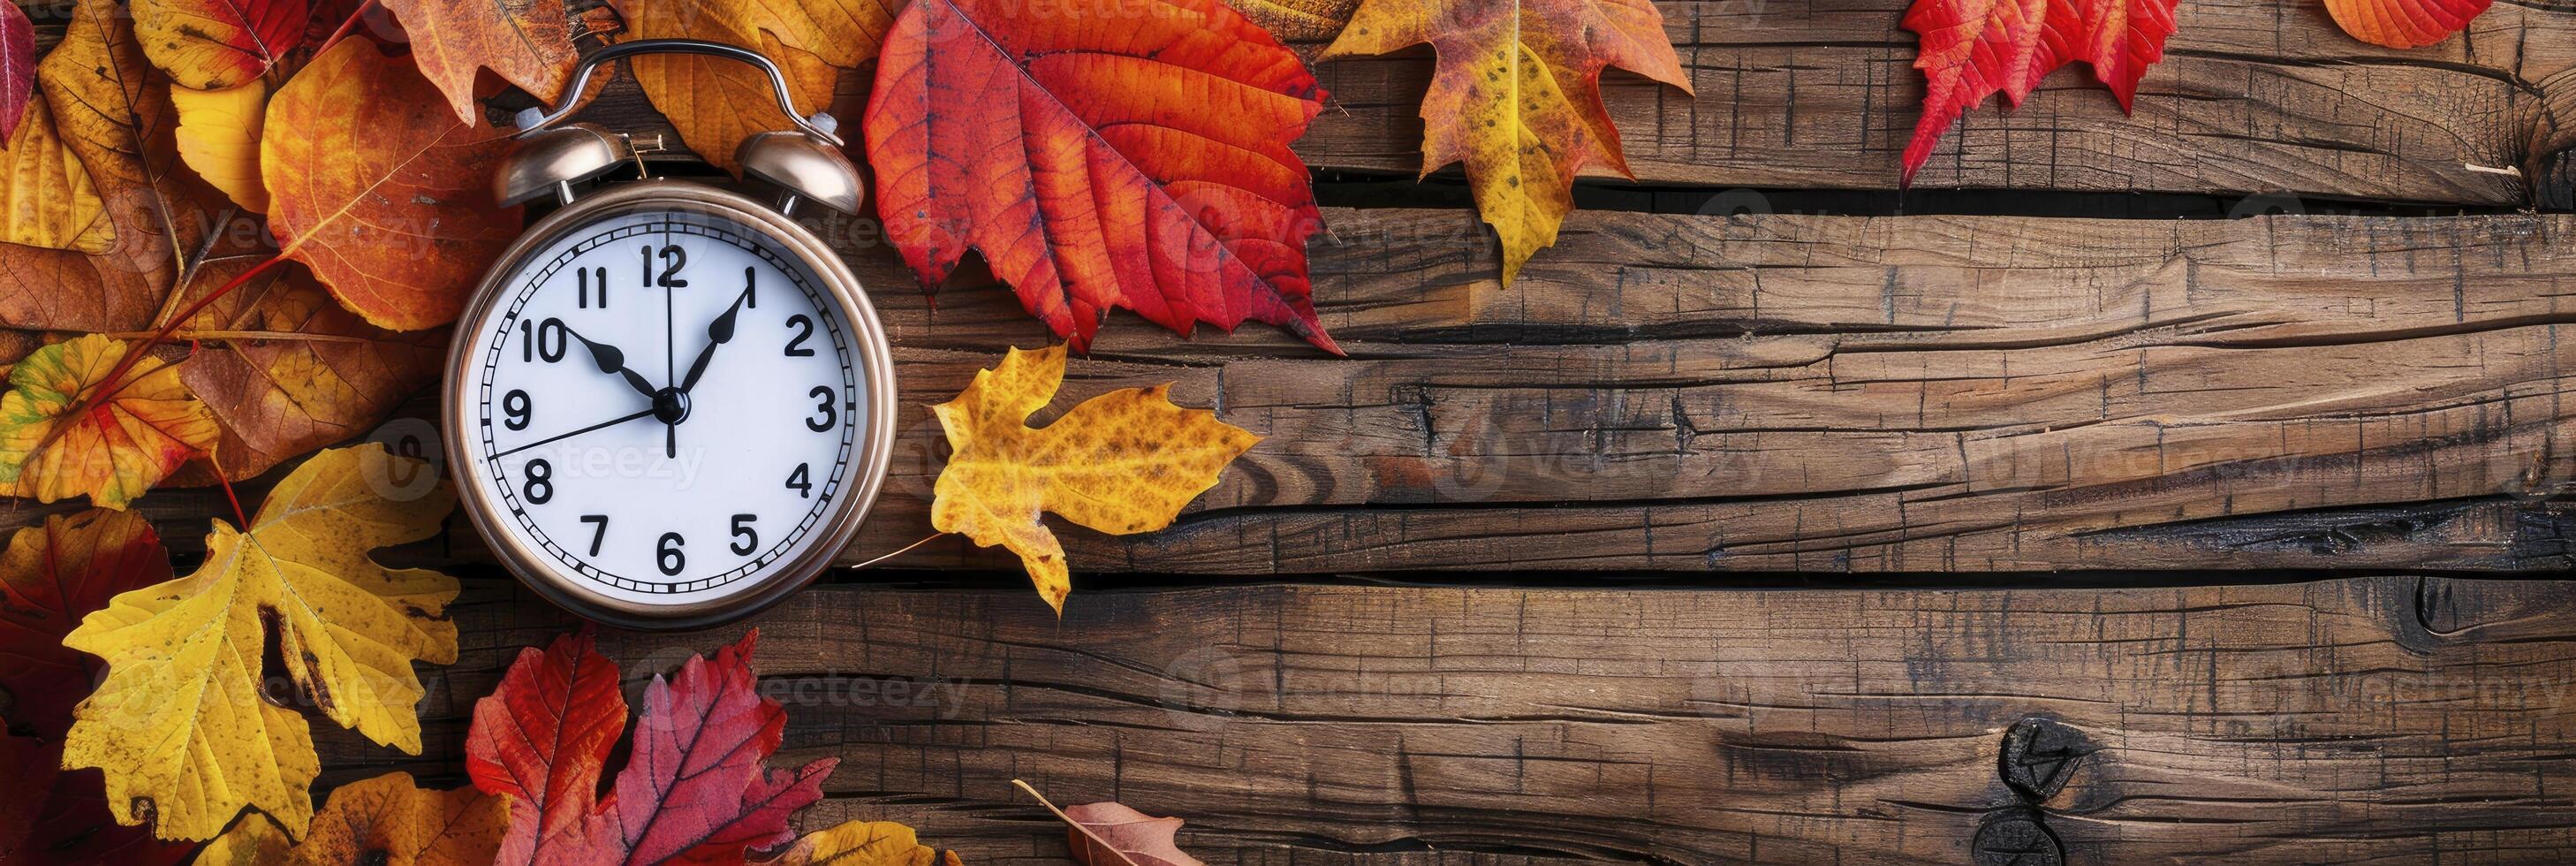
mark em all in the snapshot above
pixel 935 536
pixel 345 27
pixel 227 483
pixel 1077 825
pixel 114 383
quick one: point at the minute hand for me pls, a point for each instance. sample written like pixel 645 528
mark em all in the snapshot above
pixel 719 332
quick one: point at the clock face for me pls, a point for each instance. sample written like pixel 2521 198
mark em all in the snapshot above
pixel 663 407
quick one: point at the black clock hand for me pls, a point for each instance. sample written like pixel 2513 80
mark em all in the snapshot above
pixel 611 360
pixel 559 436
pixel 719 332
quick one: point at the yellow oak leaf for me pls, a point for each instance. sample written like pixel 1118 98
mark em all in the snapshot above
pixel 527 42
pixel 1516 95
pixel 46 198
pixel 125 443
pixel 861 843
pixel 218 136
pixel 716 103
pixel 180 726
pixel 1122 462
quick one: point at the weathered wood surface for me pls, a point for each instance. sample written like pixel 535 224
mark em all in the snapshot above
pixel 1790 393
pixel 2253 96
pixel 2388 719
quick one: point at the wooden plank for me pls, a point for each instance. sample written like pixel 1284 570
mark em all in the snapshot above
pixel 2385 719
pixel 1793 393
pixel 2253 97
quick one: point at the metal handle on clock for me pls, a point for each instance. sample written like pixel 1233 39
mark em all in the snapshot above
pixel 821 126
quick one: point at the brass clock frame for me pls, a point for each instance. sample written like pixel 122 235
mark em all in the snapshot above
pixel 871 454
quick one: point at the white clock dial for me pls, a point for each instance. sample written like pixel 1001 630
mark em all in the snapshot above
pixel 665 407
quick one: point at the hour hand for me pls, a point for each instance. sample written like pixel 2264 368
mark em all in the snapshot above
pixel 610 360
pixel 719 332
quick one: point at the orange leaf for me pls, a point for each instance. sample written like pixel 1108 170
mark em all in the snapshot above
pixel 218 44
pixel 1101 154
pixel 2404 23
pixel 1517 96
pixel 1122 462
pixel 528 42
pixel 287 371
pixel 1973 48
pixel 716 103
pixel 381 190
pixel 127 441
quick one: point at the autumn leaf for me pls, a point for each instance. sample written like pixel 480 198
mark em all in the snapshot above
pixel 285 370
pixel 48 200
pixel 1122 462
pixel 388 820
pixel 116 119
pixel 254 841
pixel 2404 23
pixel 1111 834
pixel 17 69
pixel 179 724
pixel 53 574
pixel 541 738
pixel 125 443
pixel 218 136
pixel 716 103
pixel 1517 96
pixel 1973 48
pixel 693 787
pixel 1101 154
pixel 861 843
pixel 218 44
pixel 526 42
pixel 381 191
pixel 1297 20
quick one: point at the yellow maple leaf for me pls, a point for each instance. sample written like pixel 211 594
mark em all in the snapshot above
pixel 124 444
pixel 861 843
pixel 1122 462
pixel 1516 95
pixel 218 135
pixel 180 725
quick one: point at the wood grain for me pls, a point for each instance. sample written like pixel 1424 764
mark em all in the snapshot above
pixel 1794 393
pixel 2387 719
pixel 2254 96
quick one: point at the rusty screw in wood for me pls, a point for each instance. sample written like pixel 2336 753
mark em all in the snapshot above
pixel 2039 755
pixel 2015 838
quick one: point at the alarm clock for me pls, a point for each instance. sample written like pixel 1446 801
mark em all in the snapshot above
pixel 669 404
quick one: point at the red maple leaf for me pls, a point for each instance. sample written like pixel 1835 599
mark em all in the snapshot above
pixel 1973 48
pixel 51 576
pixel 693 791
pixel 1101 154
